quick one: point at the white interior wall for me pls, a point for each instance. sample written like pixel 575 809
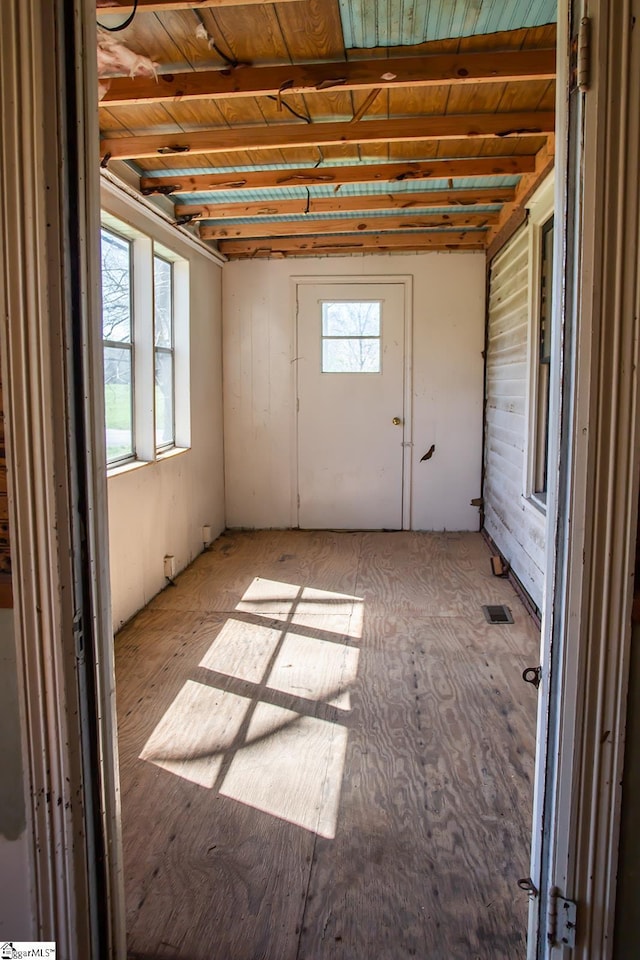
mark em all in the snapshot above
pixel 259 378
pixel 159 508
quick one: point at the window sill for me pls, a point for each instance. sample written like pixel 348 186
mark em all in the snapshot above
pixel 131 465
pixel 169 454
pixel 539 505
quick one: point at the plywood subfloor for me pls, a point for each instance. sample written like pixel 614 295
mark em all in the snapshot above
pixel 327 753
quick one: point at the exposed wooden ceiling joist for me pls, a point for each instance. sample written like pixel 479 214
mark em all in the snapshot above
pixel 513 213
pixel 388 201
pixel 282 135
pixel 396 72
pixel 370 243
pixel 337 176
pixel 310 226
pixel 164 6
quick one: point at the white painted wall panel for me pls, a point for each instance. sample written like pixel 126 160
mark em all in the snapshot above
pixel 259 376
pixel 515 523
pixel 159 508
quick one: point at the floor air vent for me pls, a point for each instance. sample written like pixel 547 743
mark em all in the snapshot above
pixel 497 613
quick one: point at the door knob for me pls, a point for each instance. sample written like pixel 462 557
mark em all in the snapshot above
pixel 396 421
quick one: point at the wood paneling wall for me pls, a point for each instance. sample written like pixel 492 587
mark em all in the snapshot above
pixel 514 523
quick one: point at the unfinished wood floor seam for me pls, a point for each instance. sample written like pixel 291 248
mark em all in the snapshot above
pixel 327 753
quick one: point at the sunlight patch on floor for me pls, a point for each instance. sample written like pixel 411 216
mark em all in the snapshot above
pixel 304 606
pixel 315 669
pixel 291 768
pixel 242 650
pixel 194 733
pixel 285 762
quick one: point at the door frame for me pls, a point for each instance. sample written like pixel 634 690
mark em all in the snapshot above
pixel 579 771
pixel 51 374
pixel 406 280
pixel 589 687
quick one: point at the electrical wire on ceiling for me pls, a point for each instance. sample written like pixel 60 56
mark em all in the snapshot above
pixel 204 32
pixel 286 106
pixel 125 23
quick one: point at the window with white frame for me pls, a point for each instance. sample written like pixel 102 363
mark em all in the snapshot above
pixel 145 330
pixel 545 299
pixel 163 352
pixel 541 352
pixel 351 336
pixel 117 338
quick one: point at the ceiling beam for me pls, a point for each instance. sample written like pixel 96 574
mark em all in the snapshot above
pixel 429 70
pixel 106 7
pixel 313 227
pixel 380 243
pixel 386 201
pixel 514 213
pixel 337 176
pixel 278 136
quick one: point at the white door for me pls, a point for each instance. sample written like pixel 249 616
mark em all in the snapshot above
pixel 351 418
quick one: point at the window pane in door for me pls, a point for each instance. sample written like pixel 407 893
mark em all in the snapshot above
pixel 351 318
pixel 164 398
pixel 351 355
pixel 116 287
pixel 118 393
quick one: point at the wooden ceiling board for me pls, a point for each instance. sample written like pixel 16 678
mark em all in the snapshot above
pixel 420 101
pixel 173 163
pixel 527 146
pixel 477 97
pixel 147 36
pixel 548 99
pixel 337 105
pixel 545 36
pixel 415 50
pixel 312 30
pixel 524 96
pixel 378 108
pixel 232 112
pixel 112 126
pixel 285 112
pixel 278 158
pixel 181 28
pixel 248 34
pixel 138 119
